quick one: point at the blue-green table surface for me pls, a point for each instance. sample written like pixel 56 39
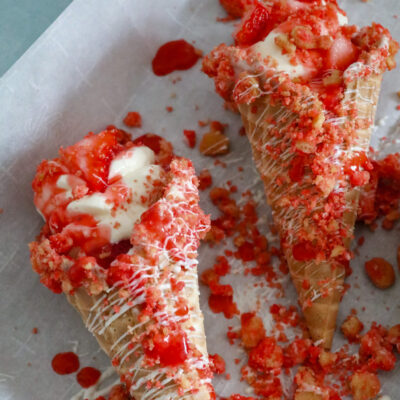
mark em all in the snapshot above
pixel 21 23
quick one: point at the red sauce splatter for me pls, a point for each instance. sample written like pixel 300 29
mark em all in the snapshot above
pixel 88 377
pixel 173 56
pixel 65 363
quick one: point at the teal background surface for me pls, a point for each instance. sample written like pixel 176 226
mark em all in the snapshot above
pixel 21 23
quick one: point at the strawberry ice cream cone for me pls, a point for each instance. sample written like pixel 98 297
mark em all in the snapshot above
pixel 139 297
pixel 306 85
pixel 319 284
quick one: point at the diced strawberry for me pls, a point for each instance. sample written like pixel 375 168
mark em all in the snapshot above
pixel 341 54
pixel 255 27
pixel 234 8
pixel 190 137
pixel 91 157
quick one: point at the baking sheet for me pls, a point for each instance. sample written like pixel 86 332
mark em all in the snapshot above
pixel 85 72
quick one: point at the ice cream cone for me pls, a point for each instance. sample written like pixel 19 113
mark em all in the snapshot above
pixel 144 308
pixel 319 284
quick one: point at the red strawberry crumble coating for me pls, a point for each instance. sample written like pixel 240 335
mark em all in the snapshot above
pixel 169 230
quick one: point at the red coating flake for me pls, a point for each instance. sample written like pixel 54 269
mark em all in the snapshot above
pixel 133 119
pixel 223 304
pixel 169 109
pixel 217 364
pixel 205 179
pixel 65 363
pixel 88 377
pixel 35 331
pixel 190 137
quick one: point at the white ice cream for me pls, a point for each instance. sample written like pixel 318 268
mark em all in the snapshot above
pixel 268 48
pixel 62 183
pixel 138 172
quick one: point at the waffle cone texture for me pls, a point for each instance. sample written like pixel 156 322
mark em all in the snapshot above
pixel 320 312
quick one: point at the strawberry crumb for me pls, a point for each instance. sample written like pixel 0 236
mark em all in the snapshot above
pixel 190 137
pixel 133 119
pixel 205 179
pixel 217 364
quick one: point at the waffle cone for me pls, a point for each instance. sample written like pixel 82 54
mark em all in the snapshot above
pixel 320 312
pixel 144 309
pixel 115 337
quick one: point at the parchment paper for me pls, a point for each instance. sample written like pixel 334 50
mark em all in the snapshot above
pixel 85 72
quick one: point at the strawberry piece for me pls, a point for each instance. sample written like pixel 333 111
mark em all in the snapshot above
pixel 190 137
pixel 161 147
pixel 235 8
pixel 255 27
pixel 91 157
pixel 341 54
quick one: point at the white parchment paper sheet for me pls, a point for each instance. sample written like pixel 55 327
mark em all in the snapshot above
pixel 89 68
